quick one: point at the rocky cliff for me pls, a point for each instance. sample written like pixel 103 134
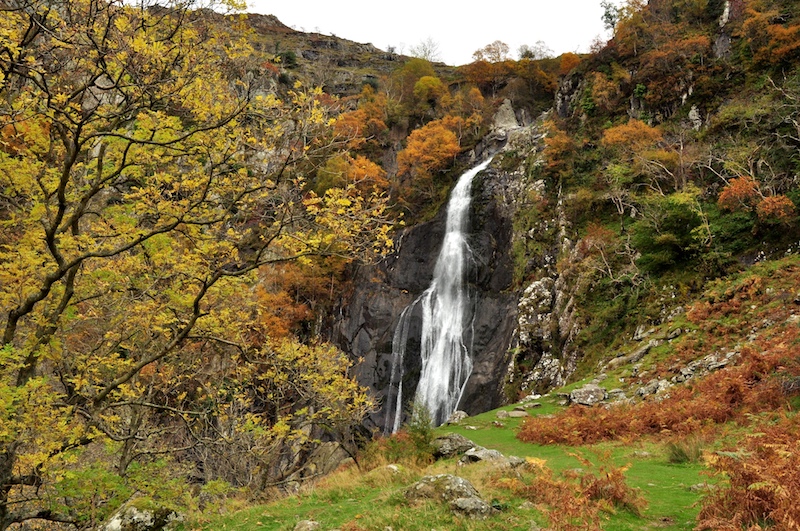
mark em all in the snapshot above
pixel 522 332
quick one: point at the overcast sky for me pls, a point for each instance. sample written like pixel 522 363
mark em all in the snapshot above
pixel 459 28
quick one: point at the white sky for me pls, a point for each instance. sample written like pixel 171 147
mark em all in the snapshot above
pixel 459 28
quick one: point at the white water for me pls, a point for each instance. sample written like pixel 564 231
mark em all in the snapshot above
pixel 446 314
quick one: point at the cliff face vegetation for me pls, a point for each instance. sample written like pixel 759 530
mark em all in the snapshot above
pixel 188 196
pixel 673 153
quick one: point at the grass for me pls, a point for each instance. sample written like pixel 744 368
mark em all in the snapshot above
pixel 354 500
pixel 671 473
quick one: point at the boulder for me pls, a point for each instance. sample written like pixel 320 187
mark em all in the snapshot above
pixel 653 387
pixel 463 498
pixel 457 417
pixel 471 507
pixel 442 488
pixel 479 453
pixel 451 445
pixel 131 518
pixel 588 395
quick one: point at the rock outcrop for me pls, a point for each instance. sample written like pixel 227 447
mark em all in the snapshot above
pixel 458 492
pixel 132 518
pixel 451 445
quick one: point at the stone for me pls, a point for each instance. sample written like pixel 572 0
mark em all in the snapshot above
pixel 457 417
pixel 502 414
pixel 479 453
pixel 472 507
pixel 672 334
pixel 505 118
pixel 696 118
pixel 653 387
pixel 616 394
pixel 641 333
pixel 131 518
pixel 307 525
pixel 588 395
pixel 517 414
pixel 441 488
pixel 451 445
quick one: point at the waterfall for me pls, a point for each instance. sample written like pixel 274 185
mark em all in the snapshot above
pixel 446 314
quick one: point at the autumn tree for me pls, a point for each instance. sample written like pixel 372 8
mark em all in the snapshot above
pixel 429 150
pixel 344 170
pixel 745 194
pixel 143 185
pixel 365 130
pixel 471 110
pixel 567 62
pixel 404 79
pixel 495 52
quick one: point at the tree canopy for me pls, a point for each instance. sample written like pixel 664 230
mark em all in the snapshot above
pixel 147 178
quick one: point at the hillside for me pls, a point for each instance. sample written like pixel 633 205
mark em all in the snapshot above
pixel 212 225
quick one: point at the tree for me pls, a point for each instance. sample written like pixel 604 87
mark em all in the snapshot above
pixel 427 49
pixel 495 52
pixel 744 194
pixel 567 62
pixel 142 186
pixel 537 51
pixel 610 14
pixel 430 149
pixel 405 78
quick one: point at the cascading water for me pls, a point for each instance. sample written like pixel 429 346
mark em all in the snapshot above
pixel 446 361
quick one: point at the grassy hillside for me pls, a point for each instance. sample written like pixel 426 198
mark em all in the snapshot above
pixel 717 451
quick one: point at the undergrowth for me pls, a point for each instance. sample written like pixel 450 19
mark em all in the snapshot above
pixel 757 383
pixel 763 481
pixel 576 499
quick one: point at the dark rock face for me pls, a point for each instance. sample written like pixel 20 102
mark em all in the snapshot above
pixel 369 318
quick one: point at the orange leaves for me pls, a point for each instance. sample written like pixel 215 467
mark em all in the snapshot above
pixel 633 135
pixel 574 499
pixel 364 128
pixel 344 170
pixel 771 43
pixel 776 209
pixel 744 194
pixel 430 149
pixel 568 61
pixel 763 482
pixel 558 146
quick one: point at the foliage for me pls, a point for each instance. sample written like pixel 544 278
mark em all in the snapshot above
pixel 577 501
pixel 756 383
pixel 430 149
pixel 763 481
pixel 146 181
pixel 633 135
